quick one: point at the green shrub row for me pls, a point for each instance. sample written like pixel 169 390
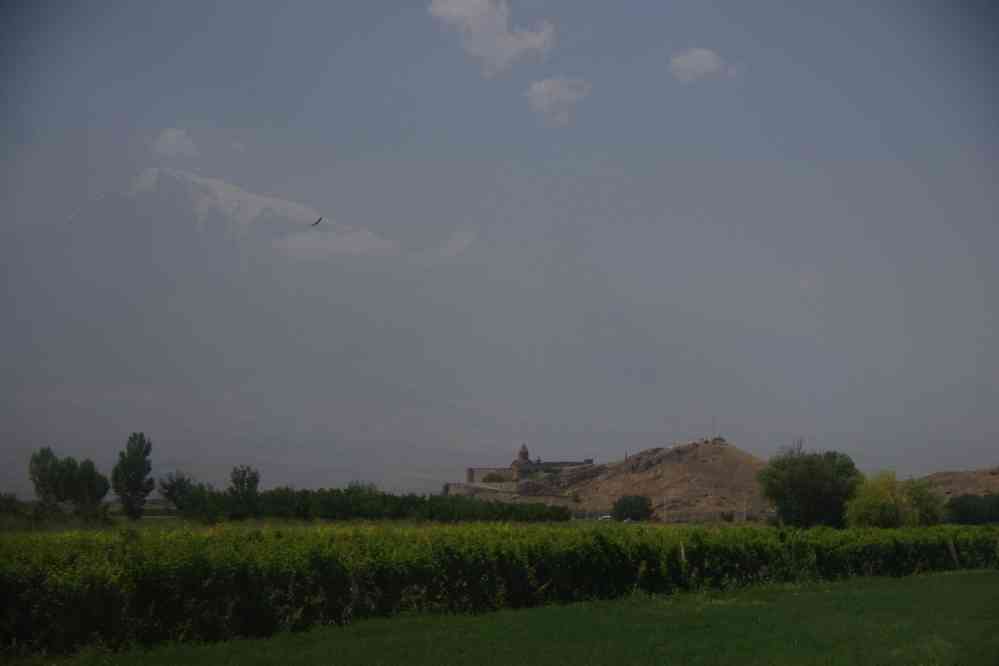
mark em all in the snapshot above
pixel 356 502
pixel 60 591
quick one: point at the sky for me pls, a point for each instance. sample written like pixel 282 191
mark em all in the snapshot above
pixel 592 227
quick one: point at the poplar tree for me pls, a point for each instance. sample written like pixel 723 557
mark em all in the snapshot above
pixel 130 477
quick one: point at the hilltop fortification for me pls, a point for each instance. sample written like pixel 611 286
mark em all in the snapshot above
pixel 704 480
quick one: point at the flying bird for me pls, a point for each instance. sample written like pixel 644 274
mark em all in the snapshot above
pixel 316 222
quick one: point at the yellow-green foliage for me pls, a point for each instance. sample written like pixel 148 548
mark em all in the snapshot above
pixel 58 591
pixel 884 501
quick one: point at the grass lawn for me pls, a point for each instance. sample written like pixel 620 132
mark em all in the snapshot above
pixel 950 618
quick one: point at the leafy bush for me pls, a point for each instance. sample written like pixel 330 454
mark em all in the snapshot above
pixel 973 509
pixel 632 507
pixel 880 502
pixel 930 508
pixel 810 488
pixel 884 501
pixel 204 503
pixel 223 582
pixel 175 487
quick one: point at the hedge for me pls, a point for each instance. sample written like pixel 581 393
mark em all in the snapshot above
pixel 61 591
pixel 358 502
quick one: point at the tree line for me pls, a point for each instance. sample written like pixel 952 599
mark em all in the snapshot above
pixel 358 501
pixel 64 480
pixel 826 488
pixel 806 489
pixel 59 481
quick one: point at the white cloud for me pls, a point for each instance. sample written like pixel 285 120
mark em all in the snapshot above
pixel 554 98
pixel 213 195
pixel 240 209
pixel 338 241
pixel 486 33
pixel 457 243
pixel 173 142
pixel 694 64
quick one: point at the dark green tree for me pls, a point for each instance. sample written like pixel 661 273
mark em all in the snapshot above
pixel 89 487
pixel 203 503
pixel 44 470
pixel 244 492
pixel 810 488
pixel 176 487
pixel 130 476
pixel 930 507
pixel 67 479
pixel 973 509
pixel 632 507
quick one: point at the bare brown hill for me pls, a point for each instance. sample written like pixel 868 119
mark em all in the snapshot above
pixel 706 480
pixel 971 482
pixel 703 480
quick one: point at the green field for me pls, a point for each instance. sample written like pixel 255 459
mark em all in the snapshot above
pixel 950 618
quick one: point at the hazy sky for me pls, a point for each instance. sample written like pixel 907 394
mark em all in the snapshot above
pixel 591 226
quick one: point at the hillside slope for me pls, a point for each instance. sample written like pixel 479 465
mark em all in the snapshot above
pixel 971 482
pixel 705 480
pixel 701 480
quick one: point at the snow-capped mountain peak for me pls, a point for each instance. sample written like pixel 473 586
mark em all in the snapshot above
pixel 213 195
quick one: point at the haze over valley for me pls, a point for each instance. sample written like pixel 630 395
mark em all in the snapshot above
pixel 569 224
